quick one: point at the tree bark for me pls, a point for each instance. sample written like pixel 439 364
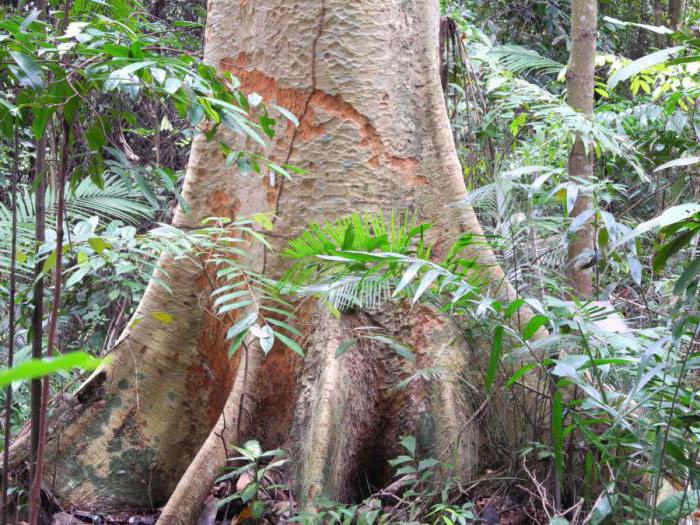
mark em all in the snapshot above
pixel 363 79
pixel 676 9
pixel 38 291
pixel 580 85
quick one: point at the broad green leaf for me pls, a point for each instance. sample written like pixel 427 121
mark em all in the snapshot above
pixel 533 326
pixel 661 30
pixel 242 325
pixel 163 317
pixel 171 85
pixel 98 244
pixel 557 423
pixel 287 114
pixel 265 336
pixel 50 261
pixel 670 216
pixel 35 368
pixel 678 505
pixel 398 347
pixel 41 118
pixel 678 163
pixel 268 125
pixel 513 307
pixel 77 276
pixel 32 74
pixel 688 276
pixel 146 190
pixel 409 443
pixel 520 373
pixel 249 492
pixel 290 343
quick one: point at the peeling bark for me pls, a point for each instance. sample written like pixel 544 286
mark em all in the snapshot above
pixel 363 78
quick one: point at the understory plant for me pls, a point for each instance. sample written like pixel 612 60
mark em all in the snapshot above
pixel 623 402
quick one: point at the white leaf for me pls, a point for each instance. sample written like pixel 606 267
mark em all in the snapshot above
pixel 684 161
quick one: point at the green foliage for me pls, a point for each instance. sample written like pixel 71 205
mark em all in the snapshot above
pixel 634 388
pixel 83 83
pixel 36 368
pixel 255 466
pixel 350 240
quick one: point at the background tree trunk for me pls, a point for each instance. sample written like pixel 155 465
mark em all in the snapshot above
pixel 580 84
pixel 676 9
pixel 363 78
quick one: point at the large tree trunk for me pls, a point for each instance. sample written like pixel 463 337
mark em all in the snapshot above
pixel 580 83
pixel 363 78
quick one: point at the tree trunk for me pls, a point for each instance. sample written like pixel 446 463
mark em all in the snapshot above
pixel 658 21
pixel 363 78
pixel 580 84
pixel 676 9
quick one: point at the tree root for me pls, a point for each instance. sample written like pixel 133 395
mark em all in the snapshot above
pixel 347 415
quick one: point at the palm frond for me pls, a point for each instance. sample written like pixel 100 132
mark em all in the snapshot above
pixel 113 201
pixel 356 232
pixel 352 291
pixel 517 59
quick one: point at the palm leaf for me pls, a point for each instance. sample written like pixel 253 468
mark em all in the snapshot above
pixel 113 201
pixel 517 59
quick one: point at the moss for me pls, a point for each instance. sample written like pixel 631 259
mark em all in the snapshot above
pixel 123 384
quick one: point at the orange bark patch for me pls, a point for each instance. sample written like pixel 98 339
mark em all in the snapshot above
pixel 300 102
pixel 407 167
pixel 223 205
pixel 211 374
pixel 275 396
pixel 267 87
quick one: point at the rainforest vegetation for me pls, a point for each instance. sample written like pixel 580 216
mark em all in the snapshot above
pixel 353 262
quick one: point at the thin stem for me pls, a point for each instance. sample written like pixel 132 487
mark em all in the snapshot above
pixel 11 332
pixel 35 496
pixel 38 293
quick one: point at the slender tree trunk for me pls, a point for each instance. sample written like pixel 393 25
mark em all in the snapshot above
pixel 363 79
pixel 658 21
pixel 580 83
pixel 38 293
pixel 11 335
pixel 676 9
pixel 62 178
